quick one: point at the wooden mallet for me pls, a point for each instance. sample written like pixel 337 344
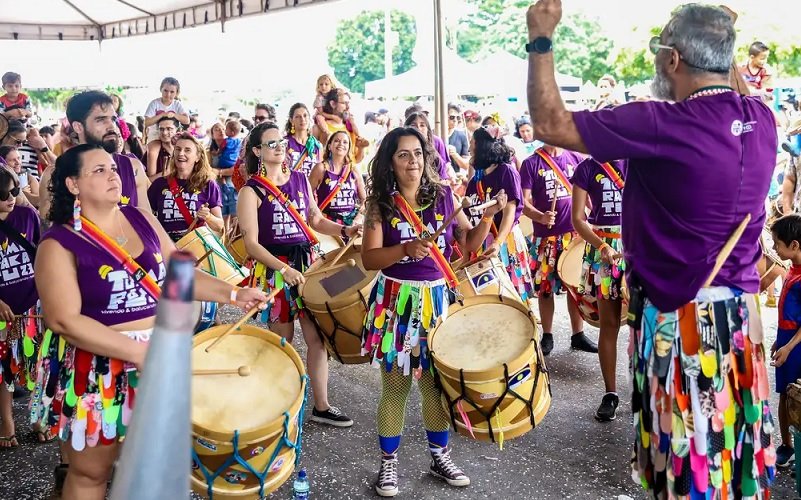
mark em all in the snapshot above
pixel 465 204
pixel 243 371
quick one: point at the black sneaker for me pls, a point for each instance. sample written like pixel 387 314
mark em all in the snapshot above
pixel 387 484
pixel 608 409
pixel 785 456
pixel 443 467
pixel 60 475
pixel 546 343
pixel 331 416
pixel 580 342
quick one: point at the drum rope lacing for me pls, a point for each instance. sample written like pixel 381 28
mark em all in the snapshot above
pixel 332 340
pixel 456 403
pixel 283 442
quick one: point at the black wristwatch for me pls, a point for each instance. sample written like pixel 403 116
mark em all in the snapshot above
pixel 540 45
pixel 44 149
pixel 344 231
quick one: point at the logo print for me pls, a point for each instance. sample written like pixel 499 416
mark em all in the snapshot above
pixel 736 128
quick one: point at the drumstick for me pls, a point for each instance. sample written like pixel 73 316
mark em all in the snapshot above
pixel 465 203
pixel 342 252
pixel 34 316
pixel 553 206
pixel 484 206
pixel 243 371
pixel 726 250
pixel 348 263
pixel 194 222
pixel 244 318
pixel 204 257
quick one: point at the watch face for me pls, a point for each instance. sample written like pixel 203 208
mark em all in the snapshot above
pixel 542 45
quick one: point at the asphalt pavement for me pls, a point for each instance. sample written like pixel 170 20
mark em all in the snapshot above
pixel 569 455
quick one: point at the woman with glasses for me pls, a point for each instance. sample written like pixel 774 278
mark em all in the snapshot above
pixel 337 185
pixel 159 151
pixel 276 214
pixel 303 149
pixel 189 175
pixel 18 297
pixel 27 182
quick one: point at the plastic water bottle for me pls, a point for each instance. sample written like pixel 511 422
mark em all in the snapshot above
pixel 301 486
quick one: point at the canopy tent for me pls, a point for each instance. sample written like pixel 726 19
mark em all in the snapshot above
pixel 108 19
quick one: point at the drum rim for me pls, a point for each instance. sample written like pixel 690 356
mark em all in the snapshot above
pixel 560 264
pixel 496 372
pixel 341 301
pixel 276 425
pixel 240 272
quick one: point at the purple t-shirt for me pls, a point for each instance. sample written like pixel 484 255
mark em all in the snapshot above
pixel 397 231
pixel 696 168
pixel 295 149
pixel 163 203
pixel 126 172
pixel 536 175
pixel 504 177
pixel 606 198
pixel 108 292
pixel 17 288
pixel 345 201
pixel 276 225
pixel 442 150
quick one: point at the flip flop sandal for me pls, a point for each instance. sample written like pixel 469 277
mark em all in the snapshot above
pixel 11 441
pixel 41 437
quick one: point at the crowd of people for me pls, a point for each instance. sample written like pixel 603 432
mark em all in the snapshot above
pixel 649 209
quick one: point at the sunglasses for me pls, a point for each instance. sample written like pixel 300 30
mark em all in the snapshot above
pixel 654 46
pixel 453 117
pixel 276 144
pixel 259 119
pixel 19 143
pixel 13 193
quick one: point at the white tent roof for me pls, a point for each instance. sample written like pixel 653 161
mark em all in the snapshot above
pixel 107 19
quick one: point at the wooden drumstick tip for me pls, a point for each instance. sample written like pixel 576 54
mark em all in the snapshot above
pixel 244 371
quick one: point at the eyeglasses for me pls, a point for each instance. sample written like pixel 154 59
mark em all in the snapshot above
pixel 453 117
pixel 13 193
pixel 275 144
pixel 259 119
pixel 654 46
pixel 19 143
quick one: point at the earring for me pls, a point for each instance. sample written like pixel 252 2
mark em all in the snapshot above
pixel 76 214
pixel 260 170
pixel 292 129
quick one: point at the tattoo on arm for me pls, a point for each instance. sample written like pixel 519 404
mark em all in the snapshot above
pixel 458 232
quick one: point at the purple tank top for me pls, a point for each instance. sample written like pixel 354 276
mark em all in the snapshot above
pixel 276 225
pixel 505 177
pixel 397 231
pixel 126 171
pixel 295 150
pixel 17 288
pixel 108 293
pixel 344 202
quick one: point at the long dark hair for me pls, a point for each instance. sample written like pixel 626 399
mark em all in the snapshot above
pixel 413 117
pixel 295 107
pixel 254 140
pixel 327 152
pixel 488 150
pixel 381 182
pixel 67 165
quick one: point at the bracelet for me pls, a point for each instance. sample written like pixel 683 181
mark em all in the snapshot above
pixel 283 269
pixel 604 245
pixel 344 231
pixel 234 291
pixel 489 219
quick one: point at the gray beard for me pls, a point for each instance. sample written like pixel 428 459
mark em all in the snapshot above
pixel 660 87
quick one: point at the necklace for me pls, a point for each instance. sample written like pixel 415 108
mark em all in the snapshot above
pixel 121 239
pixel 708 91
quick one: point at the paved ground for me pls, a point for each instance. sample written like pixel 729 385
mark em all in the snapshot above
pixel 569 455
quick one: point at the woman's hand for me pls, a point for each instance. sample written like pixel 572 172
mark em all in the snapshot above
pixel 609 256
pixel 248 298
pixel 547 218
pixel 491 251
pixel 203 213
pixel 6 314
pixel 293 277
pixel 501 198
pixel 417 249
pixel 353 231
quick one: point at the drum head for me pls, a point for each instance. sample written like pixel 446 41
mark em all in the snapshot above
pixel 231 402
pixel 328 243
pixel 323 287
pixel 570 262
pixel 483 336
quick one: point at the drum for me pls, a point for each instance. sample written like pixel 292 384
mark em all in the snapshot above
pixel 494 382
pixel 337 301
pixel 486 277
pixel 217 262
pixel 328 243
pixel 526 226
pixel 770 267
pixel 236 248
pixel 569 269
pixel 254 419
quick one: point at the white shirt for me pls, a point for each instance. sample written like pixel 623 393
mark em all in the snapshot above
pixel 156 107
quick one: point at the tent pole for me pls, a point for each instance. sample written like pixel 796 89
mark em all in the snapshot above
pixel 439 89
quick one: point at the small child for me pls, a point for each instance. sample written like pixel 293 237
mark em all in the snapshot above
pixel 324 85
pixel 14 104
pixel 167 104
pixel 786 354
pixel 229 152
pixel 226 160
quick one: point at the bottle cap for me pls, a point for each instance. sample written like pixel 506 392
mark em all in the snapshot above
pixel 302 474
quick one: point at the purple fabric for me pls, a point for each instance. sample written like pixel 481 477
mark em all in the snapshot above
pixel 126 171
pixel 295 149
pixel 442 150
pixel 108 292
pixel 167 211
pixel 397 231
pixel 504 177
pixel 17 288
pixel 536 175
pixel 606 198
pixel 345 201
pixel 696 168
pixel 276 225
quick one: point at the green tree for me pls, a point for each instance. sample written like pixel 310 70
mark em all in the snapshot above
pixel 580 47
pixel 633 66
pixel 357 53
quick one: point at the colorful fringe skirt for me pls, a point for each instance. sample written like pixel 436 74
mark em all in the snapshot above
pixel 19 342
pixel 400 314
pixel 287 305
pixel 703 427
pixel 599 279
pixel 545 252
pixel 515 257
pixel 83 398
